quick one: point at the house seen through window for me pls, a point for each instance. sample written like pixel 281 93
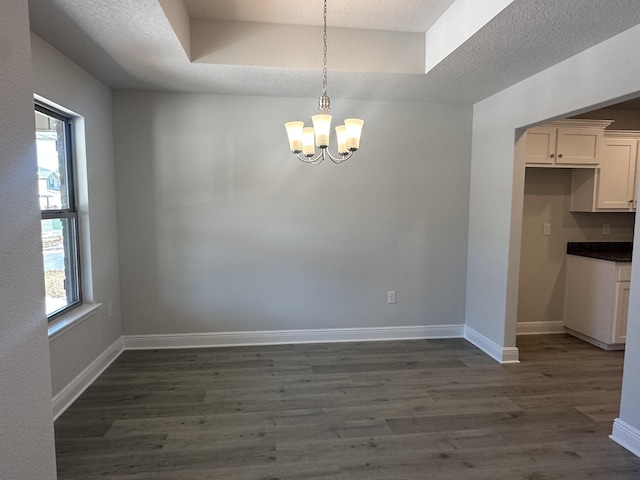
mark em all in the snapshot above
pixel 58 210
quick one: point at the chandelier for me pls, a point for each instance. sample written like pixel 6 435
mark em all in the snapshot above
pixel 303 140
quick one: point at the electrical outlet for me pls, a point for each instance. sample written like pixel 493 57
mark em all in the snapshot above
pixel 546 229
pixel 391 297
pixel 606 228
pixel 110 310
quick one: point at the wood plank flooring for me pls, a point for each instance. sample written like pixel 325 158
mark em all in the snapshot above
pixel 428 409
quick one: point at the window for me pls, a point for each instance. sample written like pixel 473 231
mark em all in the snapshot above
pixel 58 210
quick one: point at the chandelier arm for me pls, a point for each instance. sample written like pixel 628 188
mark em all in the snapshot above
pixel 312 160
pixel 341 158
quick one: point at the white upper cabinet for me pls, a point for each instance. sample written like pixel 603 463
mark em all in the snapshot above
pixel 612 187
pixel 566 144
pixel 617 180
pixel 541 146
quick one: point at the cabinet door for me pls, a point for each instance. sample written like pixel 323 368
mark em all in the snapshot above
pixel 578 146
pixel 616 183
pixel 541 145
pixel 636 185
pixel 590 297
pixel 622 312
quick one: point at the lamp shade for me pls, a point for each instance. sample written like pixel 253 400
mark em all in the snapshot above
pixel 294 132
pixel 322 126
pixel 354 130
pixel 308 148
pixel 341 133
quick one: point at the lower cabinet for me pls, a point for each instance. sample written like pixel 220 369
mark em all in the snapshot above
pixel 597 300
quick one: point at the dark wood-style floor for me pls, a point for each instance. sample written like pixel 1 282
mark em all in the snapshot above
pixel 429 409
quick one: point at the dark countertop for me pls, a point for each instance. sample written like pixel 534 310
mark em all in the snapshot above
pixel 612 251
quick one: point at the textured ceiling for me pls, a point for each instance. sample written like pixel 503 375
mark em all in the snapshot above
pixel 130 44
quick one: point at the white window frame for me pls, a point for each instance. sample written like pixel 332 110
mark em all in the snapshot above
pixel 67 215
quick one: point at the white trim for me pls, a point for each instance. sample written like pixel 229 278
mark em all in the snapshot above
pixel 63 399
pixel 76 316
pixel 626 435
pixel 274 337
pixel 595 341
pixel 495 351
pixel 579 123
pixel 539 328
pixel 621 134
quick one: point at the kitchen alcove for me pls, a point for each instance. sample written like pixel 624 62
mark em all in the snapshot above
pixel 547 226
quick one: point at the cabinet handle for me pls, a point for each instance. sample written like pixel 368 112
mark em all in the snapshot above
pixel 552 155
pixel 559 155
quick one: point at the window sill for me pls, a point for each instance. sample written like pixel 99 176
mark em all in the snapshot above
pixel 71 319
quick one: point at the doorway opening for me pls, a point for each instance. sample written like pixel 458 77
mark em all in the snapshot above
pixel 550 222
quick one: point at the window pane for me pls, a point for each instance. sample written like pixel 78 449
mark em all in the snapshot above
pixel 60 263
pixel 52 165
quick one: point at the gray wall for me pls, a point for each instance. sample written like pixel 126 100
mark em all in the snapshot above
pixel 497 187
pixel 61 81
pixel 222 229
pixel 26 417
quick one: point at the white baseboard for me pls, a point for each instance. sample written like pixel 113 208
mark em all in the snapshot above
pixel 539 328
pixel 626 435
pixel 276 337
pixel 272 337
pixel 595 341
pixel 495 351
pixel 63 399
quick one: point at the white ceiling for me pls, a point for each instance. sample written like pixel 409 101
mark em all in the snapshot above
pixel 130 44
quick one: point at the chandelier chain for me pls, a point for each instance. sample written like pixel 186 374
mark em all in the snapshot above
pixel 324 50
